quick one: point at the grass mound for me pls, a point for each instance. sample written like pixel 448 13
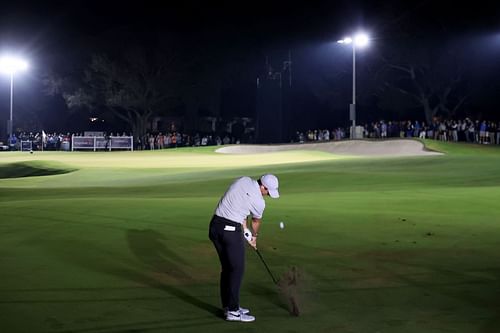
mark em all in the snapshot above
pixel 406 244
pixel 461 148
pixel 33 168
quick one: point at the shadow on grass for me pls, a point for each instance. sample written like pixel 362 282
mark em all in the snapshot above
pixel 31 169
pixel 150 248
pixel 271 293
pixel 161 268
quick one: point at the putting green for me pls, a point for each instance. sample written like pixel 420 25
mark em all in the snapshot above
pixel 118 242
pixel 170 158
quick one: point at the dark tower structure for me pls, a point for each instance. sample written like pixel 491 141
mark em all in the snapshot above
pixel 273 114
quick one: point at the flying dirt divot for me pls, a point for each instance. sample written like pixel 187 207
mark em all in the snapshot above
pixel 289 289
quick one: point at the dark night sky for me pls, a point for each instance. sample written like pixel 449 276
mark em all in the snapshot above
pixel 41 26
pixel 49 34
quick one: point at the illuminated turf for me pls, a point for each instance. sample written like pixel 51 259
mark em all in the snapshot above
pixel 119 244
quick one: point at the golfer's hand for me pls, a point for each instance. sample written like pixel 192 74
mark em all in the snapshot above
pixel 253 242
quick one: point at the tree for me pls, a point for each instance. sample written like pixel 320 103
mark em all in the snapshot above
pixel 432 78
pixel 420 60
pixel 134 85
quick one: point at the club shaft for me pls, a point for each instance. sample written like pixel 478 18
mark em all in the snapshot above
pixel 268 270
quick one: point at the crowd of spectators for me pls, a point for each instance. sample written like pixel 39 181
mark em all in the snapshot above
pixel 150 141
pixel 37 141
pixel 465 130
pixel 321 135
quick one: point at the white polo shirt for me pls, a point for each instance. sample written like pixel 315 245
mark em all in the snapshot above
pixel 243 198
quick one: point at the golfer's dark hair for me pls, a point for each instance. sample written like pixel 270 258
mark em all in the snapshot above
pixel 260 183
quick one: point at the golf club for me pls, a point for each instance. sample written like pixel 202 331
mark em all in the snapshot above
pixel 268 270
pixel 248 236
pixel 287 288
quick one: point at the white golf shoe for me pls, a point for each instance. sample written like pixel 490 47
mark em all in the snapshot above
pixel 239 316
pixel 242 310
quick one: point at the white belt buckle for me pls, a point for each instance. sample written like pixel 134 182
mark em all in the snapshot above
pixel 229 228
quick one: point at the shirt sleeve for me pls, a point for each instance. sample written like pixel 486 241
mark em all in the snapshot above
pixel 257 208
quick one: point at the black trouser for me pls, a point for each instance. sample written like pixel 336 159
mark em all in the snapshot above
pixel 230 247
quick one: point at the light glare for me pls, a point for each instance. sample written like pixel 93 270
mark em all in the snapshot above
pixel 11 65
pixel 346 40
pixel 361 39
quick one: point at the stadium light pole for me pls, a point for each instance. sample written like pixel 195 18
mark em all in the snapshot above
pixel 11 65
pixel 359 40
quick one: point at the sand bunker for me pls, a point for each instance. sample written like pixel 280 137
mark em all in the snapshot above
pixel 396 147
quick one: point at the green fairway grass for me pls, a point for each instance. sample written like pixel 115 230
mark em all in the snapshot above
pixel 118 241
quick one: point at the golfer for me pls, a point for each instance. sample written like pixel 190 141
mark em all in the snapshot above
pixel 245 197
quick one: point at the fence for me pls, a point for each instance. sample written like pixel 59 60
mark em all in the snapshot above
pixel 26 145
pixel 103 143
